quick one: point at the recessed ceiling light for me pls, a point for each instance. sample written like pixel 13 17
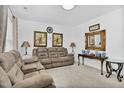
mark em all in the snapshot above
pixel 68 7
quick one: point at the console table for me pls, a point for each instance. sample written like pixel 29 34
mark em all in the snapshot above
pixel 109 68
pixel 92 57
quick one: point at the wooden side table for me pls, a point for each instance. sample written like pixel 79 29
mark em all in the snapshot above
pixel 91 57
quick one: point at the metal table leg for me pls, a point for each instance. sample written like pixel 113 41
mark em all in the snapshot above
pixel 108 69
pixel 120 67
pixel 78 60
pixel 82 60
pixel 102 67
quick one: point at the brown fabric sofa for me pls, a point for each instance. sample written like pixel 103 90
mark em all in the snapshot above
pixel 53 56
pixel 11 74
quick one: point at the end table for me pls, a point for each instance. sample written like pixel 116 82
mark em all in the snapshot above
pixel 110 69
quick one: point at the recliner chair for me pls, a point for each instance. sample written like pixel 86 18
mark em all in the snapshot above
pixel 28 65
pixel 12 76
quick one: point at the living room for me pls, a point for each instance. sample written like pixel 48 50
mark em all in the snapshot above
pixel 70 29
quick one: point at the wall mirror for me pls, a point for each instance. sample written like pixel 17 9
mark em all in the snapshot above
pixel 96 40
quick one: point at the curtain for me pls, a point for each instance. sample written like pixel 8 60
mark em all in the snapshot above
pixel 15 33
pixel 3 26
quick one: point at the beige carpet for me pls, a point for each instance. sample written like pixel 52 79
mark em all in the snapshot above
pixel 75 76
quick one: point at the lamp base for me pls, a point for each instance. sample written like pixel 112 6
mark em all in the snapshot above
pixel 72 50
pixel 25 51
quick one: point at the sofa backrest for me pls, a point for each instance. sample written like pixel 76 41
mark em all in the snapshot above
pixel 62 51
pixel 7 61
pixel 34 52
pixel 18 57
pixel 8 64
pixel 52 51
pixel 42 53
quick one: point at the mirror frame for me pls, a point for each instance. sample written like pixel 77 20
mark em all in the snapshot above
pixel 103 40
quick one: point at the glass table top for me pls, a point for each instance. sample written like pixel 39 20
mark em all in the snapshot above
pixel 114 61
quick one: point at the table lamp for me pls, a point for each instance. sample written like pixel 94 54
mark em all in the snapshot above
pixel 72 45
pixel 25 44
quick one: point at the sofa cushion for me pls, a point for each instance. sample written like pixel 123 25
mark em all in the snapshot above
pixel 52 49
pixel 31 60
pixel 62 49
pixel 55 60
pixel 61 54
pixel 7 61
pixel 41 50
pixel 66 58
pixel 53 54
pixel 28 75
pixel 39 66
pixel 57 64
pixel 61 59
pixel 45 61
pixel 47 66
pixel 16 53
pixel 15 74
pixel 42 55
pixel 32 66
pixel 4 79
pixel 17 57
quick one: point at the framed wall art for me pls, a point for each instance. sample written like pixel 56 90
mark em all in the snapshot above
pixel 57 40
pixel 94 27
pixel 40 39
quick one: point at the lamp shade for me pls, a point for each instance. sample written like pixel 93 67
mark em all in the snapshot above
pixel 72 44
pixel 25 44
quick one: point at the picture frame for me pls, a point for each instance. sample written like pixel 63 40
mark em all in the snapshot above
pixel 94 27
pixel 40 39
pixel 57 40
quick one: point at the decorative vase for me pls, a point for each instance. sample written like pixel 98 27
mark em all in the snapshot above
pixel 103 54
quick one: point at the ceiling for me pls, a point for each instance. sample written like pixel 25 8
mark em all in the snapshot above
pixel 55 14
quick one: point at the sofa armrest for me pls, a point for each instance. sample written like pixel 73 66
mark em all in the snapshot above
pixel 29 68
pixel 70 54
pixel 30 60
pixel 32 67
pixel 34 52
pixel 38 81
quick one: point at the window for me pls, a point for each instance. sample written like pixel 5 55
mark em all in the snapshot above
pixel 9 33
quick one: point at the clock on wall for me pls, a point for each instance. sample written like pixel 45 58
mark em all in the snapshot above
pixel 49 29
